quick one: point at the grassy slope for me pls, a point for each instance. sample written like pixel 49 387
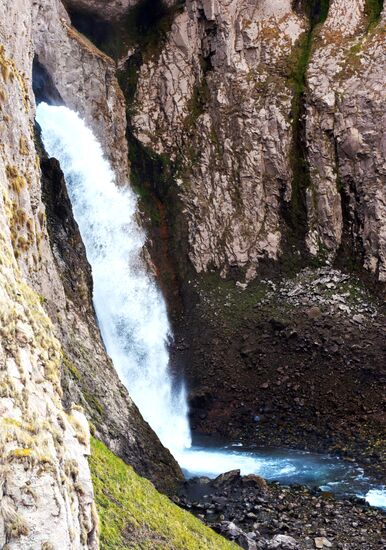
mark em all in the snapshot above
pixel 134 515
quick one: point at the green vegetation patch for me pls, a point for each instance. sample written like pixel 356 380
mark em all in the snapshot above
pixel 373 11
pixel 71 368
pixel 94 403
pixel 134 515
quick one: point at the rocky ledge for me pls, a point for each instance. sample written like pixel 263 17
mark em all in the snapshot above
pixel 256 514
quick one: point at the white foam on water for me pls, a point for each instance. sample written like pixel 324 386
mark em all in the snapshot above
pixel 130 309
pixel 213 462
pixel 376 497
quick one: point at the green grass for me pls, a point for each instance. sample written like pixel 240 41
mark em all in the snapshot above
pixel 71 368
pixel 94 403
pixel 233 303
pixel 134 515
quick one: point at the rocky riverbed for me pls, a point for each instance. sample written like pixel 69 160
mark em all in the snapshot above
pixel 256 514
pixel 294 362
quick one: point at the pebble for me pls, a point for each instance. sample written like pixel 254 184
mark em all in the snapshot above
pixel 322 542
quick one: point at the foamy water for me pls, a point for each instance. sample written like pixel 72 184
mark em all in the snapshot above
pixel 131 311
pixel 377 497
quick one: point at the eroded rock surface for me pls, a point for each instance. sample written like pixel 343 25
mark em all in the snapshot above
pixel 219 98
pixel 44 473
pixel 296 363
pixel 71 61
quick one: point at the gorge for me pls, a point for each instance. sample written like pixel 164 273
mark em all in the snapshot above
pixel 192 268
pixel 133 320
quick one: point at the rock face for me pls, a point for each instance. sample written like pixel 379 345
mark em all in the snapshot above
pixel 51 354
pixel 270 116
pixel 71 61
pixel 345 126
pixel 220 98
pixel 43 467
pixel 219 92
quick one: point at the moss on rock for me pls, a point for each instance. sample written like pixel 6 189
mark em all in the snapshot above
pixel 134 515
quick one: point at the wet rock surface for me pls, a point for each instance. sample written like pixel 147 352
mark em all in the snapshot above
pixel 294 362
pixel 256 514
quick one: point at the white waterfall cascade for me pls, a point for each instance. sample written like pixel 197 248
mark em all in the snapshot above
pixel 130 309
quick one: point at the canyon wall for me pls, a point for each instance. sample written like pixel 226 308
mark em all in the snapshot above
pixel 259 132
pixel 44 470
pixel 264 120
pixel 345 112
pixel 53 366
pixel 272 116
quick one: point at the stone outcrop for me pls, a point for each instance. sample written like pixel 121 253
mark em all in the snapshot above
pixel 71 60
pixel 44 472
pixel 217 99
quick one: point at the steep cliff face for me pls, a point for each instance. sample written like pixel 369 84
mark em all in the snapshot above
pixel 71 61
pixel 43 467
pixel 49 338
pixel 345 100
pixel 217 99
pixel 272 116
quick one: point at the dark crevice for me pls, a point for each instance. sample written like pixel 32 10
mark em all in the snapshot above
pixel 153 175
pixel 350 255
pixel 43 86
pixel 373 10
pixel 97 29
pixel 143 31
pixel 295 213
pixel 63 231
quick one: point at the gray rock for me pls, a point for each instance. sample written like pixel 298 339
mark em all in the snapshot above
pixel 282 541
pixel 322 542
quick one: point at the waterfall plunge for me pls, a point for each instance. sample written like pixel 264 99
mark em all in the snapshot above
pixel 130 309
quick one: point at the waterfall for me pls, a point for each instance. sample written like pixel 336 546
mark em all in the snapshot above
pixel 130 309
